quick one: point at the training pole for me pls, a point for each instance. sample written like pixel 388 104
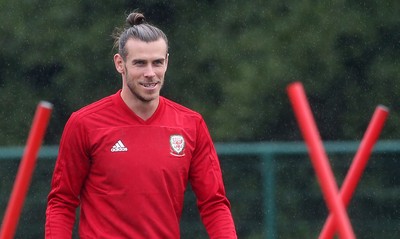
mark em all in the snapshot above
pixel 319 159
pixel 25 170
pixel 358 166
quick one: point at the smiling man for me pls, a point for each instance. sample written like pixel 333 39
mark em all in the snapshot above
pixel 126 159
pixel 142 66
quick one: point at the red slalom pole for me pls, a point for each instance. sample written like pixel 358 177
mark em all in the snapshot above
pixel 319 159
pixel 25 170
pixel 358 166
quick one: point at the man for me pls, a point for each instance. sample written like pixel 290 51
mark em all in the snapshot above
pixel 126 159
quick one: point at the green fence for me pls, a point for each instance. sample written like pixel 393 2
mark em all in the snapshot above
pixel 272 188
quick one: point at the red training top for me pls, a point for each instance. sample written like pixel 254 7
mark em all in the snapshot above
pixel 129 175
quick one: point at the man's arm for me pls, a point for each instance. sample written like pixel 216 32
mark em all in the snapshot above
pixel 207 184
pixel 69 174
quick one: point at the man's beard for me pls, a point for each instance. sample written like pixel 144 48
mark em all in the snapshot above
pixel 132 87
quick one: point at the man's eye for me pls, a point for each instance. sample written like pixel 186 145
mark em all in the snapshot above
pixel 138 63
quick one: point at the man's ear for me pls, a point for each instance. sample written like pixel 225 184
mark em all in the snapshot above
pixel 119 63
pixel 166 60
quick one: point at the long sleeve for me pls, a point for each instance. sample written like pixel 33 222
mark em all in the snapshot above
pixel 71 168
pixel 207 183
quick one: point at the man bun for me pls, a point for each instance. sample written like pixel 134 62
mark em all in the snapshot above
pixel 135 18
pixel 136 27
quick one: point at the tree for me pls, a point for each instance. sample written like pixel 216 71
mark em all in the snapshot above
pixel 229 60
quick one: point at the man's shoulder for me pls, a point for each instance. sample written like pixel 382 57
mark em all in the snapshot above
pixel 172 105
pixel 94 108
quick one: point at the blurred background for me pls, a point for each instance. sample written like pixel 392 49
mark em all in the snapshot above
pixel 231 61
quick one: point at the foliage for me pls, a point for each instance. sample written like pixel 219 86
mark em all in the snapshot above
pixel 229 60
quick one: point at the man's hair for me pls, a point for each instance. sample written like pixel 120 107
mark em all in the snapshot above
pixel 136 27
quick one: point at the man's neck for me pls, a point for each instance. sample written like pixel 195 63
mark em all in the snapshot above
pixel 143 109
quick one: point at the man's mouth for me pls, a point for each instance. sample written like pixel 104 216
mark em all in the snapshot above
pixel 149 85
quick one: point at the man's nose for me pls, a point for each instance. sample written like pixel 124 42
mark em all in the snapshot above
pixel 149 71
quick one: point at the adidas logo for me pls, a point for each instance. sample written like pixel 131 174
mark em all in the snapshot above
pixel 119 147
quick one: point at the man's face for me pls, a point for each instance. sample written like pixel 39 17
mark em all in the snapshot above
pixel 144 69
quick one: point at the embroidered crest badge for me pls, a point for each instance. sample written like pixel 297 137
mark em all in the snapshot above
pixel 177 143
